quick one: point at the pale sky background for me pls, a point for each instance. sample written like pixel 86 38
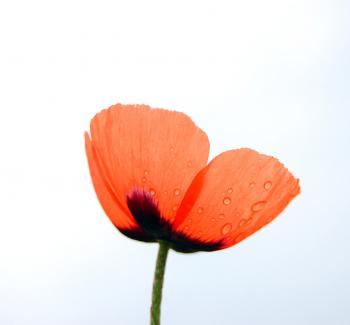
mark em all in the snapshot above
pixel 272 75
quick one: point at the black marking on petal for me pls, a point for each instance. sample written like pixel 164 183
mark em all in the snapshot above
pixel 138 234
pixel 185 244
pixel 146 213
pixel 145 210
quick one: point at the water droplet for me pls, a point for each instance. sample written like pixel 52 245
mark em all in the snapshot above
pixel 189 163
pixel 200 233
pixel 177 191
pixel 230 190
pixel 226 201
pixel 228 239
pixel 146 172
pixel 268 220
pixel 152 191
pixel 175 207
pixel 267 185
pixel 239 237
pixel 221 216
pixel 172 149
pixel 189 220
pixel 165 192
pixel 186 227
pixel 249 221
pixel 213 219
pixel 258 206
pixel 242 223
pixel 144 179
pixel 252 184
pixel 226 229
pixel 200 210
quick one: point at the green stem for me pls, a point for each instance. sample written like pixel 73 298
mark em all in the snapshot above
pixel 158 282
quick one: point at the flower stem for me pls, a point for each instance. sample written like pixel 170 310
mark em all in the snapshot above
pixel 158 282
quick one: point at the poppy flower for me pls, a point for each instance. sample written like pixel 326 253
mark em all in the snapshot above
pixel 150 173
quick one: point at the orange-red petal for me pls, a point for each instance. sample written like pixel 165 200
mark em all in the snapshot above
pixel 119 216
pixel 155 150
pixel 235 195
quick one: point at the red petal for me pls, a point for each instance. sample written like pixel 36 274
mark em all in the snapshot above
pixel 120 216
pixel 235 195
pixel 152 149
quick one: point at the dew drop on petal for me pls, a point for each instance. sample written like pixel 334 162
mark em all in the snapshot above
pixel 200 210
pixel 242 223
pixel 221 216
pixel 249 221
pixel 268 220
pixel 252 184
pixel 172 149
pixel 239 237
pixel 186 227
pixel 189 220
pixel 226 201
pixel 175 207
pixel 267 185
pixel 228 239
pixel 152 191
pixel 146 172
pixel 189 163
pixel 212 219
pixel 226 228
pixel 177 191
pixel 258 206
pixel 144 179
pixel 230 190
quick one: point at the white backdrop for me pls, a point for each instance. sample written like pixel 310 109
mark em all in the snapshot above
pixel 271 75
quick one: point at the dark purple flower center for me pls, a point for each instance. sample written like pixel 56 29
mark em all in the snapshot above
pixel 144 209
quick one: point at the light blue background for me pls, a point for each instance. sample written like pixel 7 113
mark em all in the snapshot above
pixel 270 75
